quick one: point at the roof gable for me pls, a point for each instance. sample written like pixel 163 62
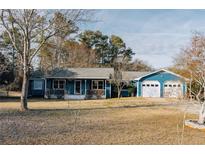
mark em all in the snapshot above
pixel 161 70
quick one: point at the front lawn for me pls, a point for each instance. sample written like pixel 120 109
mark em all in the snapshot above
pixel 140 122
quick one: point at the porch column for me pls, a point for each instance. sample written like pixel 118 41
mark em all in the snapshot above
pixel 137 85
pixel 85 87
pixel 138 88
pixel 105 89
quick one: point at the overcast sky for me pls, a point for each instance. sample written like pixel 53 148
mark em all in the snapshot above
pixel 156 36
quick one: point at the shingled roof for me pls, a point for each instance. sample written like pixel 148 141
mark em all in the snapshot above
pixel 131 75
pixel 82 73
pixel 88 73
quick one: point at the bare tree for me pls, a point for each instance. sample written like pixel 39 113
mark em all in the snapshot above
pixel 29 30
pixel 192 62
pixel 72 54
pixel 117 77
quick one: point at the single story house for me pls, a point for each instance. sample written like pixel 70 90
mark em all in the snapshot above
pixel 95 83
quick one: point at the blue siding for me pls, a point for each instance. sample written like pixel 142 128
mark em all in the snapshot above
pixel 124 93
pixel 83 87
pixel 108 88
pixel 162 77
pixel 49 83
pixel 34 92
pixel 70 86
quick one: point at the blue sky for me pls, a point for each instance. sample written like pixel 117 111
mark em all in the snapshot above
pixel 156 36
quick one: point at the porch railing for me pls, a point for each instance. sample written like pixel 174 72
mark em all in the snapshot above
pixel 90 94
pixel 59 93
pixel 95 93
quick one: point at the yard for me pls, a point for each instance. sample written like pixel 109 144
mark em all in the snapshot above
pixel 124 121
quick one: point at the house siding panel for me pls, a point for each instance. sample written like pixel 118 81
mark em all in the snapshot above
pixel 108 92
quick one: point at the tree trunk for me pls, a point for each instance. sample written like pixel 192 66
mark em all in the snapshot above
pixel 119 92
pixel 202 114
pixel 24 92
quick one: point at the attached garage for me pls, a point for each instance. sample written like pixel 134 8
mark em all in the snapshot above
pixel 173 89
pixel 161 83
pixel 151 89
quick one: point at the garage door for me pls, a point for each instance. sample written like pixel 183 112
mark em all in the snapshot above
pixel 151 89
pixel 173 89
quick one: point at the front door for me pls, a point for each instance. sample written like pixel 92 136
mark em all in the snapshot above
pixel 78 87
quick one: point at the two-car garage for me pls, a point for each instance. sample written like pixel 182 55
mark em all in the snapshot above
pixel 161 83
pixel 170 89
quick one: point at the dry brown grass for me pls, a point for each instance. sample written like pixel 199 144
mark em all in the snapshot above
pixel 85 104
pixel 92 123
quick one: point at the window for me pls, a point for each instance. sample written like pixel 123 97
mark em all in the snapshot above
pixel 152 85
pixel 170 85
pixel 100 85
pixel 165 85
pixel 77 87
pixel 179 85
pixel 156 85
pixel 38 85
pixel 97 84
pixel 61 84
pixel 174 85
pixel 147 85
pixel 143 85
pixel 58 84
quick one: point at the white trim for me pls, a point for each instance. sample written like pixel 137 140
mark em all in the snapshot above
pixel 75 87
pixel 138 85
pixel 160 71
pixel 75 97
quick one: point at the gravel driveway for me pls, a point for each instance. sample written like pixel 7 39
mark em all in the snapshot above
pixel 189 107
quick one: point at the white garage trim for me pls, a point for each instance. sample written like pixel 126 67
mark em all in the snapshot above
pixel 151 88
pixel 173 89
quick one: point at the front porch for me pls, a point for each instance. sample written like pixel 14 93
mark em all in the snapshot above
pixel 77 88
